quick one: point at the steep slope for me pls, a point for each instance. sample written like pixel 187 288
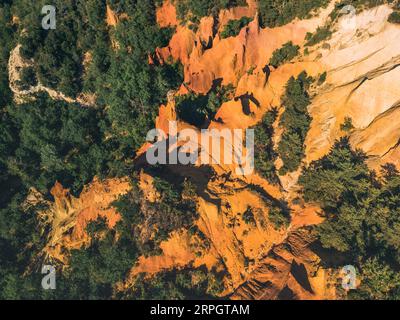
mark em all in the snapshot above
pixel 357 86
pixel 261 260
pixel 362 67
pixel 290 270
pixel 361 64
pixel 68 216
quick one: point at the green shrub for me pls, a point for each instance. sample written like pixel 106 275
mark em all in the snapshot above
pixel 248 217
pixel 233 27
pixel 279 217
pixel 279 214
pixel 321 34
pixel 394 17
pixel 28 78
pixel 264 152
pixel 194 10
pixel 347 125
pixel 189 283
pixel 274 13
pixel 195 109
pixel 7 35
pixel 322 78
pixel 295 121
pixel 284 54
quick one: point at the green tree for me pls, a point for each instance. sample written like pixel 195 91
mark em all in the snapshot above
pixel 196 109
pixel 347 126
pixel 274 13
pixel 264 152
pixel 394 17
pixel 378 282
pixel 284 54
pixel 362 216
pixel 321 34
pixel 197 283
pixel 57 141
pixel 295 121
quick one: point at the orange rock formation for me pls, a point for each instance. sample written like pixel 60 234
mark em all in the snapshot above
pixel 362 76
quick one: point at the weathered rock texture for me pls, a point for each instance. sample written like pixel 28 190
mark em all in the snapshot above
pixel 363 74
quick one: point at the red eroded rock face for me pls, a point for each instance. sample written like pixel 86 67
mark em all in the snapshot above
pixel 289 271
pixel 206 57
pixel 284 264
pixel 70 215
pixel 242 61
pixel 238 12
pixel 166 15
pixel 112 18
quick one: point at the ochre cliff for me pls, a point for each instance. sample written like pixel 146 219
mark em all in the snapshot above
pixel 68 216
pixel 261 261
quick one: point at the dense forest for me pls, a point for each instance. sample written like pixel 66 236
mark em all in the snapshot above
pixel 295 121
pixel 44 140
pixel 264 152
pixel 363 216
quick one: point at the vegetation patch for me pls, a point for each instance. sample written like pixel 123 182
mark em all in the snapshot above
pixel 54 141
pixel 264 152
pixel 248 217
pixel 279 213
pixel 394 17
pixel 189 283
pixel 362 214
pixel 322 78
pixel 194 10
pixel 43 141
pixel 274 13
pixel 347 125
pixel 295 121
pixel 7 36
pixel 94 271
pixel 28 78
pixel 359 5
pixel 196 109
pixel 321 34
pixel 279 217
pixel 233 27
pixel 284 54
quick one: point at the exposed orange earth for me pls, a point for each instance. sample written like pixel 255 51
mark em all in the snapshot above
pixel 69 216
pixel 361 83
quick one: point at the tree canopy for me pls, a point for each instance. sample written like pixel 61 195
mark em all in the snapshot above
pixel 363 216
pixel 295 121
